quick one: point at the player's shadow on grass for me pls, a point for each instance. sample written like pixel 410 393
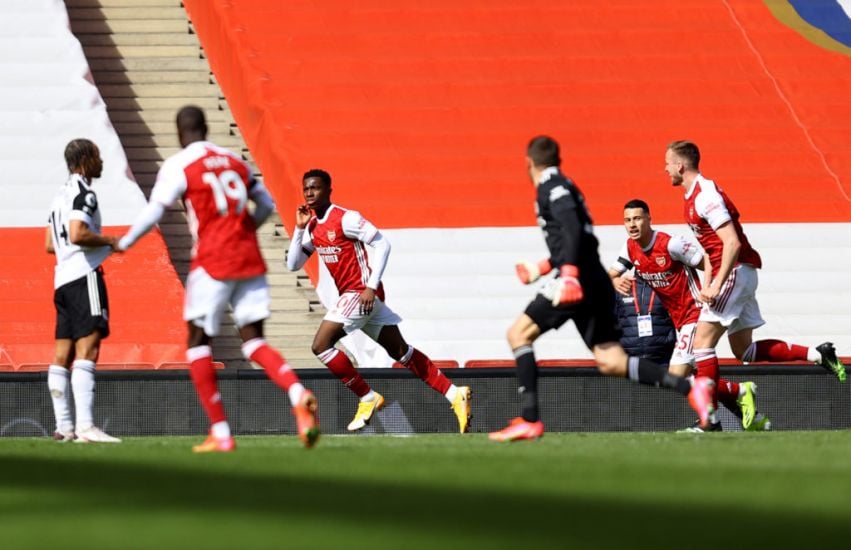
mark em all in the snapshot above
pixel 501 516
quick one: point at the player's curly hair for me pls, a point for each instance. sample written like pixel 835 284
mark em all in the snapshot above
pixel 318 173
pixel 78 151
pixel 687 151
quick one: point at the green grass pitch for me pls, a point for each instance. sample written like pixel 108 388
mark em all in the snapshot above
pixel 730 490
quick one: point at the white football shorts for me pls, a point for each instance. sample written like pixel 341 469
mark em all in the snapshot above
pixel 207 298
pixel 347 312
pixel 736 307
pixel 684 348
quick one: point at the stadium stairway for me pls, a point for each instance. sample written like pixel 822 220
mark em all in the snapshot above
pixel 147 63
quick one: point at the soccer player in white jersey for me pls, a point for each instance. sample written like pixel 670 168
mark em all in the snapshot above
pixel 82 320
pixel 227 268
pixel 339 236
pixel 667 263
pixel 728 293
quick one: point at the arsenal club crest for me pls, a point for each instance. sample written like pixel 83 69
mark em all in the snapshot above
pixel 332 235
pixel 660 261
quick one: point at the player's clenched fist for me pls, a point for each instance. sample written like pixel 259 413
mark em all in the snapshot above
pixel 568 291
pixel 528 272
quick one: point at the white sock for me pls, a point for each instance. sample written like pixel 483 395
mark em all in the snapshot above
pixel 368 397
pixel 58 382
pixel 83 383
pixel 220 430
pixel 451 393
pixel 813 356
pixel 295 392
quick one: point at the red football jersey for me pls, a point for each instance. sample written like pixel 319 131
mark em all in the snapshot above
pixel 339 238
pixel 707 208
pixel 667 266
pixel 215 185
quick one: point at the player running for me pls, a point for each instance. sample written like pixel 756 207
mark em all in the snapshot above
pixel 667 263
pixel 581 291
pixel 728 293
pixel 339 236
pixel 227 268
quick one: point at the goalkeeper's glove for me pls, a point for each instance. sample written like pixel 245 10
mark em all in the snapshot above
pixel 568 291
pixel 528 272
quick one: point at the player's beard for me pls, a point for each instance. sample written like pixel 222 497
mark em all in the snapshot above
pixel 677 180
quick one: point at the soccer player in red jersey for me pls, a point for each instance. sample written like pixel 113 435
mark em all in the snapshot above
pixel 580 291
pixel 728 293
pixel 339 236
pixel 667 263
pixel 227 267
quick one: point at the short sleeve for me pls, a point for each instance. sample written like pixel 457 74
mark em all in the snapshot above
pixel 709 205
pixel 170 184
pixel 622 264
pixel 84 207
pixel 685 251
pixel 357 227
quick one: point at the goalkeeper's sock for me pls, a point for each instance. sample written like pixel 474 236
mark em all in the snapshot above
pixel 645 371
pixel 777 351
pixel 418 363
pixel 527 382
pixel 59 382
pixel 342 367
pixel 204 378
pixel 276 367
pixel 727 393
pixel 83 384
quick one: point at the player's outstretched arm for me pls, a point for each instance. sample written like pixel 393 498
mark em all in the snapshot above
pixel 80 233
pixel 145 221
pixel 529 272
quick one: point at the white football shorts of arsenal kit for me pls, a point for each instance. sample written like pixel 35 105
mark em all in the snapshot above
pixel 207 298
pixel 684 349
pixel 348 313
pixel 736 307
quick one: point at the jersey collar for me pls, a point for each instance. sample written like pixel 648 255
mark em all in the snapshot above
pixel 697 180
pixel 324 218
pixel 548 173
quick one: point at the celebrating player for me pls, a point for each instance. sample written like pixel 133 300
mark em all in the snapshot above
pixel 82 320
pixel 728 294
pixel 227 267
pixel 339 236
pixel 666 262
pixel 581 291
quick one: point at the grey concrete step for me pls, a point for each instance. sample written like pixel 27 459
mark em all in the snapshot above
pixel 193 63
pixel 203 90
pixel 120 3
pixel 162 115
pixel 161 128
pixel 165 103
pixel 112 13
pixel 171 141
pixel 153 77
pixel 139 39
pixel 147 51
pixel 99 25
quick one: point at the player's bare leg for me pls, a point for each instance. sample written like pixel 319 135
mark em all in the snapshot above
pixel 59 385
pixel 390 338
pixel 521 335
pixel 304 405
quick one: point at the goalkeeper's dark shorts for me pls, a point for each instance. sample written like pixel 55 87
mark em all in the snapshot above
pixel 594 317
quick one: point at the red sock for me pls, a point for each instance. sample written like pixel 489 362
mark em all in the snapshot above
pixel 204 378
pixel 276 367
pixel 422 366
pixel 343 369
pixel 728 395
pixel 777 351
pixel 707 365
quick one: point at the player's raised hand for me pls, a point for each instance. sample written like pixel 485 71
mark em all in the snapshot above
pixel 529 272
pixel 568 291
pixel 302 216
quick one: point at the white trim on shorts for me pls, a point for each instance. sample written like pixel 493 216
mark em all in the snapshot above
pixel 684 348
pixel 346 311
pixel 736 307
pixel 207 298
